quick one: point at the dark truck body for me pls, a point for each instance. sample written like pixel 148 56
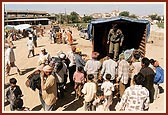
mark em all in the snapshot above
pixel 136 33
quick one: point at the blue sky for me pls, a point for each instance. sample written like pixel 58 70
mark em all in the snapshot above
pixel 140 9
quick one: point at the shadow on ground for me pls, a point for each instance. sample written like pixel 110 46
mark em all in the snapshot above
pixel 41 46
pixel 6 85
pixel 67 103
pixel 24 71
pixel 37 108
pixel 67 99
pixel 74 105
pixel 161 90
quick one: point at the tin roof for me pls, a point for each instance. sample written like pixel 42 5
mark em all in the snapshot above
pixel 26 20
pixel 118 18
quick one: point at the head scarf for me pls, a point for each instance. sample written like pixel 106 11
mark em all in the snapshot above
pixel 47 68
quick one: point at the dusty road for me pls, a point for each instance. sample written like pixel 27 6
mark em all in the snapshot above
pixel 26 65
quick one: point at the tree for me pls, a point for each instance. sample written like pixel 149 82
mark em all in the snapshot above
pixel 153 16
pixel 133 16
pixel 74 17
pixel 87 19
pixel 124 13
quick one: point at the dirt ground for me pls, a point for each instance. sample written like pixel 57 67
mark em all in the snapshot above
pixel 69 103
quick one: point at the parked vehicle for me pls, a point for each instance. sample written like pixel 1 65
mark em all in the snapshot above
pixel 84 34
pixel 56 28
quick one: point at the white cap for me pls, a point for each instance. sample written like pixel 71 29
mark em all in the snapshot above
pixel 30 35
pixel 62 56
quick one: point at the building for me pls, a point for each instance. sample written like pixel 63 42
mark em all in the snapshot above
pixel 15 17
pixel 115 13
pixel 96 15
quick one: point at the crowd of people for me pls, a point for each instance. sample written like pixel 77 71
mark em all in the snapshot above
pixel 61 36
pixel 135 83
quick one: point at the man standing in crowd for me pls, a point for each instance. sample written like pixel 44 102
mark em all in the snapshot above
pixel 48 87
pixel 149 77
pixel 135 97
pixel 30 46
pixel 78 58
pixel 123 74
pixel 109 67
pixel 72 64
pixel 93 66
pixel 10 59
pixel 44 57
pixel 159 77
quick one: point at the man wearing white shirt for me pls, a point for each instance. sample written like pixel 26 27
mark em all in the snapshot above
pixel 109 67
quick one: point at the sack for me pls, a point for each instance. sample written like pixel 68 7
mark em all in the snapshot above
pixel 35 72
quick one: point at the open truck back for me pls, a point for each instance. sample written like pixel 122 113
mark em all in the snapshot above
pixel 136 33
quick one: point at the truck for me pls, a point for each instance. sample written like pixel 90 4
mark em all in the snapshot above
pixel 136 33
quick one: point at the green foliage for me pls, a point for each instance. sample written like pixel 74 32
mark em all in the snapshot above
pixel 124 13
pixel 87 19
pixel 133 16
pixel 155 17
pixel 160 25
pixel 74 17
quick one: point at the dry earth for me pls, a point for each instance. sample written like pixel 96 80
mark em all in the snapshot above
pixel 31 98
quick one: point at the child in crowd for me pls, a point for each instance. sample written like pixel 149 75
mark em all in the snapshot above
pixel 108 88
pixel 19 105
pixel 14 92
pixel 100 101
pixel 89 91
pixel 79 80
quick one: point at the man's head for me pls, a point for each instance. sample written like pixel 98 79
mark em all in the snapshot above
pixel 18 103
pixel 73 48
pixel 155 63
pixel 90 77
pixel 95 55
pixel 110 55
pixel 139 79
pixel 100 94
pixel 121 56
pixel 47 69
pixel 62 56
pixel 108 77
pixel 136 56
pixel 43 50
pixel 80 68
pixel 152 61
pixel 78 50
pixel 145 62
pixel 12 82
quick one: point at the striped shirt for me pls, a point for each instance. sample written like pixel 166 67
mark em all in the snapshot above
pixel 123 71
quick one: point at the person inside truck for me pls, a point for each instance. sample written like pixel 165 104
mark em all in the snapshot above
pixel 115 40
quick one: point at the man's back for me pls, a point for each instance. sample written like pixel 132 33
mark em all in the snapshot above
pixel 135 98
pixel 109 66
pixel 149 77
